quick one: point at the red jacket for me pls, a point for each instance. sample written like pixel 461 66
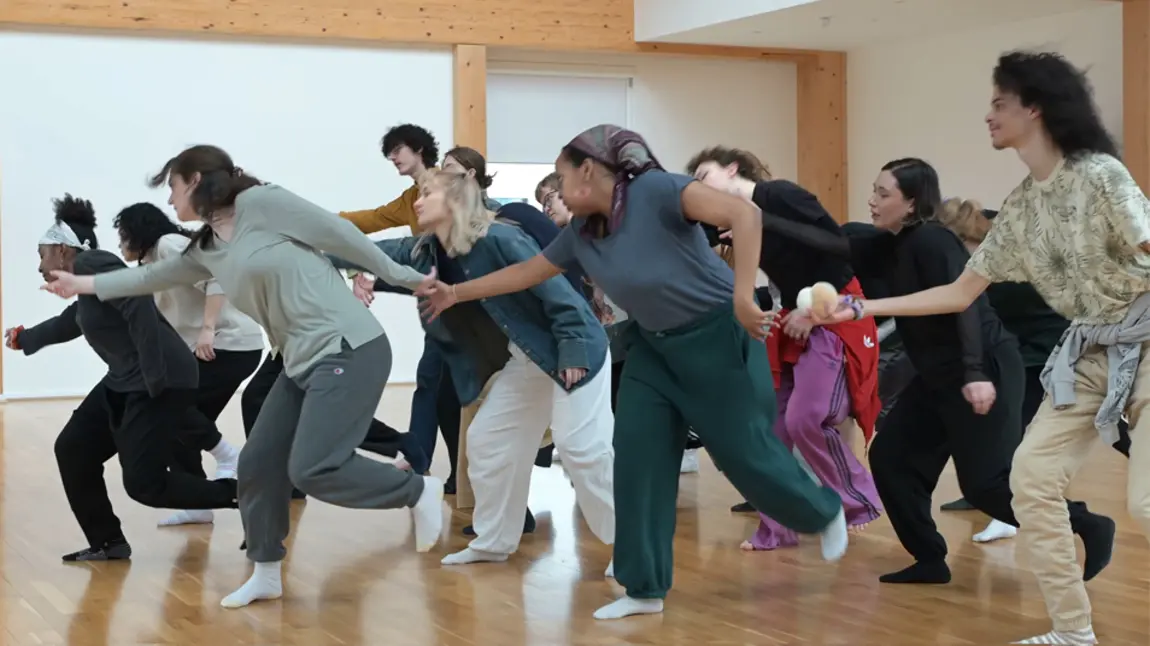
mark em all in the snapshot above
pixel 860 344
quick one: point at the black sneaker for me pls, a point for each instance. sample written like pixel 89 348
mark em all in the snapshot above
pixel 110 552
pixel 743 508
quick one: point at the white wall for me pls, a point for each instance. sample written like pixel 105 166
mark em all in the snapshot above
pixel 681 105
pixel 95 115
pixel 928 97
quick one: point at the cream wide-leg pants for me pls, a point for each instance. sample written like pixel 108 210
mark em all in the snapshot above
pixel 1055 445
pixel 503 438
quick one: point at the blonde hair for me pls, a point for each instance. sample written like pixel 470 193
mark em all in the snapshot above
pixel 964 218
pixel 470 218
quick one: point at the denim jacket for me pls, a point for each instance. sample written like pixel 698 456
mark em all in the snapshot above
pixel 551 323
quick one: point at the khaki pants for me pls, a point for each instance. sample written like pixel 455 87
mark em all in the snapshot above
pixel 464 495
pixel 1054 447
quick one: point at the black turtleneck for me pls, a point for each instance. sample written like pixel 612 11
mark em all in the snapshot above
pixel 791 266
pixel 946 349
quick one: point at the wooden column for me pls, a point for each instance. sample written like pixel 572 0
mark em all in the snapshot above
pixel 1136 90
pixel 471 97
pixel 822 126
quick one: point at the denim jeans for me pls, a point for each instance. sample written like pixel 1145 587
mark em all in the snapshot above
pixel 419 445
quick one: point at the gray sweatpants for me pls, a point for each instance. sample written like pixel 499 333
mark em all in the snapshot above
pixel 306 435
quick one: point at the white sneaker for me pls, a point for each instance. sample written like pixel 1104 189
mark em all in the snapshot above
pixel 690 461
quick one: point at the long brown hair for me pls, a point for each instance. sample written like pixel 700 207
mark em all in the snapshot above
pixel 221 181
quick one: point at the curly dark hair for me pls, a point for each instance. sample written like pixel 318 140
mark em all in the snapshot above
pixel 142 225
pixel 750 167
pixel 79 215
pixel 417 138
pixel 1060 92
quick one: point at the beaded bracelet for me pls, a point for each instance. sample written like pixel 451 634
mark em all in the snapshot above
pixel 855 304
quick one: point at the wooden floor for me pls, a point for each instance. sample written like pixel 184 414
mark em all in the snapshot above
pixel 353 577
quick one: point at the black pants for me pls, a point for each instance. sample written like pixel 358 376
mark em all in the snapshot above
pixel 930 425
pixel 381 438
pixel 896 372
pixel 142 430
pixel 219 381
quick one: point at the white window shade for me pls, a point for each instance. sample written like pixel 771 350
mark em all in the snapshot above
pixel 530 117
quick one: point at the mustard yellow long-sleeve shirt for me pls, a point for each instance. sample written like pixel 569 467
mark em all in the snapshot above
pixel 399 212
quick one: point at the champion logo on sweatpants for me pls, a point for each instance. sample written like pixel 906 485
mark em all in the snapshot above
pixel 338 371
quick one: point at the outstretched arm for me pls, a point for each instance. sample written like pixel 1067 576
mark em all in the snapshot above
pixel 516 278
pixel 301 220
pixel 58 329
pixel 946 299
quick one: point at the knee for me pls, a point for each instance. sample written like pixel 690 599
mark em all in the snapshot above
pixel 1138 504
pixel 881 456
pixel 66 451
pixel 145 488
pixel 305 475
pixel 803 421
pixel 1034 480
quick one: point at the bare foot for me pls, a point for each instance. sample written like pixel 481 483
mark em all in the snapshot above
pixel 858 529
pixel 402 465
pixel 746 546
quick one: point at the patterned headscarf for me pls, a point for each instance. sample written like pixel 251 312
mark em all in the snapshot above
pixel 624 152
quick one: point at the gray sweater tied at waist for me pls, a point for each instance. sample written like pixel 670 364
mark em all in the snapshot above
pixel 1123 342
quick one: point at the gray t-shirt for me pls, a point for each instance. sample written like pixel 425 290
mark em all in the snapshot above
pixel 657 266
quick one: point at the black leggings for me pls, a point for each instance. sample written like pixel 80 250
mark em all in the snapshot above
pixel 141 430
pixel 219 381
pixel 928 426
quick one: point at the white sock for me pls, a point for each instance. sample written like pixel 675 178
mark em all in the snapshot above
pixel 188 517
pixel 469 555
pixel 626 606
pixel 610 573
pixel 227 458
pixel 427 514
pixel 690 463
pixel 264 583
pixel 996 530
pixel 1082 637
pixel 835 538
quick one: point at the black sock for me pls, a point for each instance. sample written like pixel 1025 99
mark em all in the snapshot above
pixel 1097 536
pixel 936 572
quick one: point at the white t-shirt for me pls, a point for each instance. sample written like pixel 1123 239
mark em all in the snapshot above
pixel 183 307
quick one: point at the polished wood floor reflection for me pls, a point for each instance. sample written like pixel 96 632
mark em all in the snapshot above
pixel 353 577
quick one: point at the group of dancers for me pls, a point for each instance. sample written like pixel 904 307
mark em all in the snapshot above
pixel 609 324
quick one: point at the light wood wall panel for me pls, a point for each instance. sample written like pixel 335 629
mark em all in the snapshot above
pixel 1136 90
pixel 822 129
pixel 470 88
pixel 588 24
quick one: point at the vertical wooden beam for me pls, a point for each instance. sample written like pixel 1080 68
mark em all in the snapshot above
pixel 822 126
pixel 1136 90
pixel 471 97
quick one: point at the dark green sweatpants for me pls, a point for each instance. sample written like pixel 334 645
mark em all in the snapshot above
pixel 712 376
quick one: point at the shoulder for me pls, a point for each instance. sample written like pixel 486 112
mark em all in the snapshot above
pixel 263 195
pixel 932 235
pixel 660 181
pixel 171 244
pixel 97 261
pixel 1103 172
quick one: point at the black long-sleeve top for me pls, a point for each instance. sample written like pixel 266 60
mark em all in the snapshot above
pixel 141 349
pixel 791 266
pixel 946 349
